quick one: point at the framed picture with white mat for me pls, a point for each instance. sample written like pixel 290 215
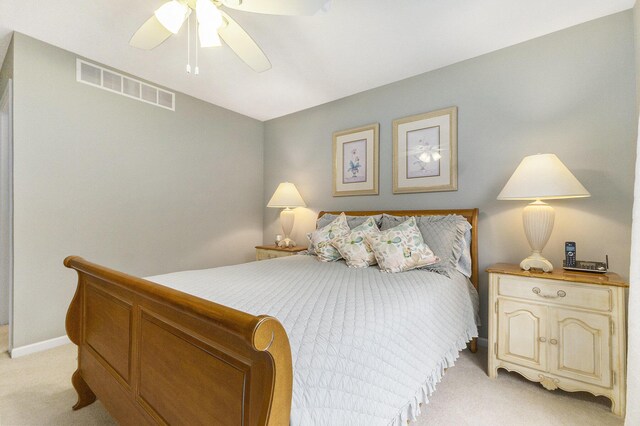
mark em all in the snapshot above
pixel 425 152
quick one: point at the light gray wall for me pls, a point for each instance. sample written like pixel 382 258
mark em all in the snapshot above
pixel 636 33
pixel 122 183
pixel 570 93
pixel 633 360
pixel 6 73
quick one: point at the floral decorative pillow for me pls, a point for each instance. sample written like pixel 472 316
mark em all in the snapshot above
pixel 401 248
pixel 352 221
pixel 321 239
pixel 445 236
pixel 353 246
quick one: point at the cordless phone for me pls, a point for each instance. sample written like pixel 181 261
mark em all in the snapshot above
pixel 570 262
pixel 570 254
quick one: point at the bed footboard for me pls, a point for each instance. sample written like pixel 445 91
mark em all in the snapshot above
pixel 152 354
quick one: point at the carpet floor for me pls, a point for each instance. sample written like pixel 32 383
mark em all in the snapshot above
pixel 36 390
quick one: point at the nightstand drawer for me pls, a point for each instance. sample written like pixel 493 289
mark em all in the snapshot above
pixel 566 294
pixel 273 252
pixel 269 254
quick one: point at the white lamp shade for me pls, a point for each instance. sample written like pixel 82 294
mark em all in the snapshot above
pixel 172 14
pixel 542 177
pixel 286 195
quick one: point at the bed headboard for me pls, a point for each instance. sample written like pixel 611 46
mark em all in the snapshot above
pixel 470 214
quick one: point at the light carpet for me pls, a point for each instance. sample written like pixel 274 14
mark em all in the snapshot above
pixel 36 390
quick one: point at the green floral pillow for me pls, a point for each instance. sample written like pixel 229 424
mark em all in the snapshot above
pixel 401 248
pixel 321 239
pixel 353 246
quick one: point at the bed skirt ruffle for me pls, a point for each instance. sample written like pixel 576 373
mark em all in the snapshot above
pixel 412 409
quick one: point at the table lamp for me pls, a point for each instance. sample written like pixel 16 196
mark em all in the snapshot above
pixel 540 177
pixel 286 197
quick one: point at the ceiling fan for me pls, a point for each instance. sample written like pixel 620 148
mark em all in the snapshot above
pixel 214 24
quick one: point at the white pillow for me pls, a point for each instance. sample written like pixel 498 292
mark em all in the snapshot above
pixel 353 246
pixel 321 239
pixel 401 248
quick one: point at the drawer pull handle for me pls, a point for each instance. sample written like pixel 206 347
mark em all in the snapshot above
pixel 560 293
pixel 542 339
pixel 553 341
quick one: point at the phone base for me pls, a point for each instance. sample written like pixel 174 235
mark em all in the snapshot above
pixel 536 261
pixel 582 266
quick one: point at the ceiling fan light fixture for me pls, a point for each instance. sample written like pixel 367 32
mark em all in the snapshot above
pixel 172 15
pixel 208 14
pixel 208 36
pixel 209 20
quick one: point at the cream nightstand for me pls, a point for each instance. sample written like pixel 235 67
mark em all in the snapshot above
pixel 563 329
pixel 271 252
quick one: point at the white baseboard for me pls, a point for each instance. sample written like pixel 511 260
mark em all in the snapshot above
pixel 39 346
pixel 482 341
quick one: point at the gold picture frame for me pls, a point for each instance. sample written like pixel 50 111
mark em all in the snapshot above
pixel 425 152
pixel 355 161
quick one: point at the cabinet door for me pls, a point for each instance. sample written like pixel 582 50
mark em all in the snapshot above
pixel 522 329
pixel 580 346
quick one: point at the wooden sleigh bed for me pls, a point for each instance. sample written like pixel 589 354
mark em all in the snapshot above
pixel 143 348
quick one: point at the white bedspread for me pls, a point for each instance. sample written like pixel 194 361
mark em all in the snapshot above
pixel 367 347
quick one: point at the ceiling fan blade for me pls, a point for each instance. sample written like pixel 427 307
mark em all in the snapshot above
pixel 278 7
pixel 243 45
pixel 151 34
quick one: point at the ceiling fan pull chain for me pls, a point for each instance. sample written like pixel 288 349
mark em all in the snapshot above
pixel 189 45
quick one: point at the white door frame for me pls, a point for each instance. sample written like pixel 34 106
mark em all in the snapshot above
pixel 6 196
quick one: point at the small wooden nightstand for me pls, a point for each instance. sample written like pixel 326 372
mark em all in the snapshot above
pixel 271 252
pixel 563 329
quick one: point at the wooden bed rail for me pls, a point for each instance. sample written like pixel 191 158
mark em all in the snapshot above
pixel 157 355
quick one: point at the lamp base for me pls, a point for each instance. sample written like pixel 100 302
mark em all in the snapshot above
pixel 287 242
pixel 537 218
pixel 287 216
pixel 536 261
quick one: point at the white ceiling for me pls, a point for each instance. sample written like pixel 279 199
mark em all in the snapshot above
pixel 357 45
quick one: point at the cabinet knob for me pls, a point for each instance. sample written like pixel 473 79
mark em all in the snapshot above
pixel 542 339
pixel 553 341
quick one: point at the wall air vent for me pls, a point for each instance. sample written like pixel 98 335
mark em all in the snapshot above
pixel 97 76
